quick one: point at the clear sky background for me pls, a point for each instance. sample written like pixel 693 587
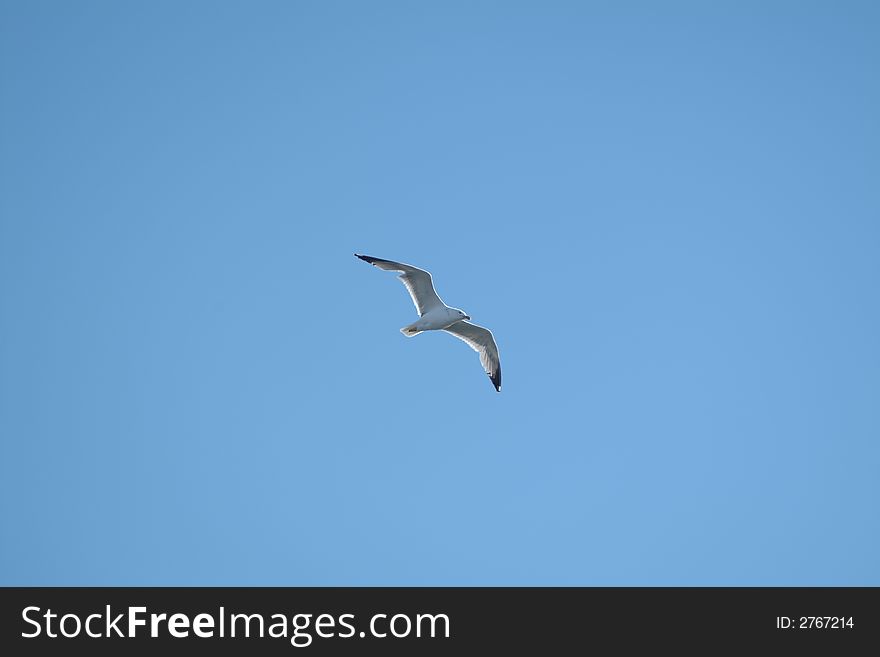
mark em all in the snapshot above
pixel 668 213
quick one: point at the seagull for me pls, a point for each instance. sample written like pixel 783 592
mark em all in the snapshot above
pixel 434 315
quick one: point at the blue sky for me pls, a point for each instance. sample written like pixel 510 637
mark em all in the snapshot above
pixel 668 213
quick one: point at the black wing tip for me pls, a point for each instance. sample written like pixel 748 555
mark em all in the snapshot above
pixel 370 259
pixel 496 380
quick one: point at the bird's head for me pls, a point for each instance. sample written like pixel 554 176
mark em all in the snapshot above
pixel 460 314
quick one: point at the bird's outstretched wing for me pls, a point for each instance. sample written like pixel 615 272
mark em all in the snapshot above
pixel 480 340
pixel 418 282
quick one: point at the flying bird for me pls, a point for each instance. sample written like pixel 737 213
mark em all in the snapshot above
pixel 434 315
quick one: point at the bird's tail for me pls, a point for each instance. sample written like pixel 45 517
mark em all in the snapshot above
pixel 410 331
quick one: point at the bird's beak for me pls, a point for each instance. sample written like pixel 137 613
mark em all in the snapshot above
pixel 467 317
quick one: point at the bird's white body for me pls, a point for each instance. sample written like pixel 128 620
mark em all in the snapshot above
pixel 435 319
